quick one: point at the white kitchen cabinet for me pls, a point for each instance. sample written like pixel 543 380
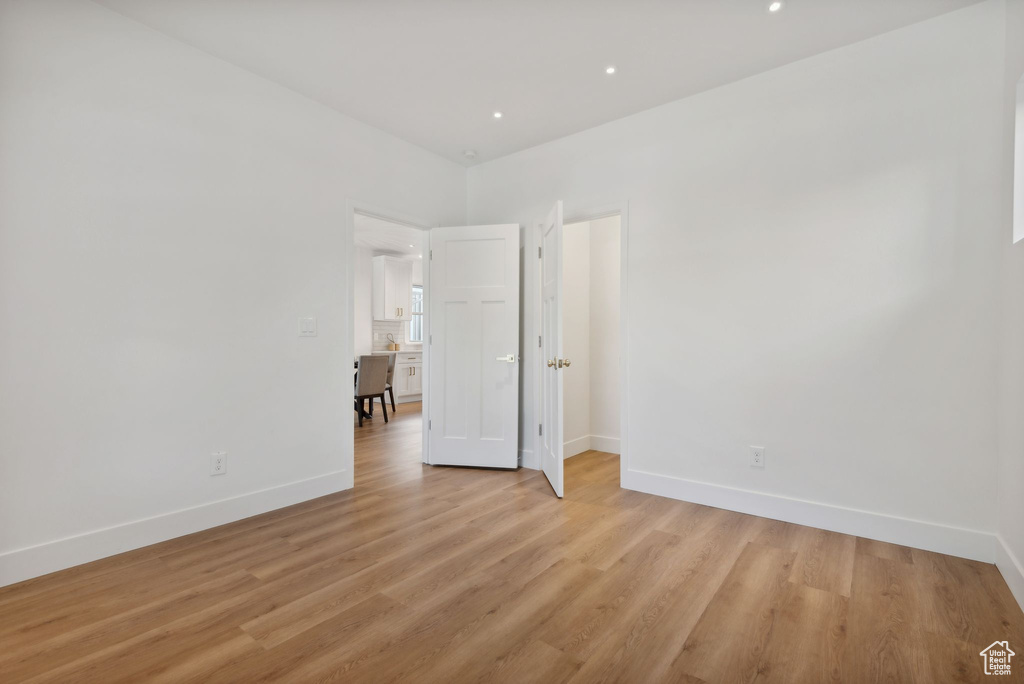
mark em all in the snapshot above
pixel 392 289
pixel 416 379
pixel 401 378
pixel 408 377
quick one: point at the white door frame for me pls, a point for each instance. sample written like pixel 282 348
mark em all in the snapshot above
pixel 353 207
pixel 578 214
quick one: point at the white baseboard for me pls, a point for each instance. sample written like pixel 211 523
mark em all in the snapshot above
pixel 23 564
pixel 954 541
pixel 1012 570
pixel 576 446
pixel 587 442
pixel 527 459
pixel 609 445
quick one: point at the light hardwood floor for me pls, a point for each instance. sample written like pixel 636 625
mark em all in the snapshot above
pixel 452 575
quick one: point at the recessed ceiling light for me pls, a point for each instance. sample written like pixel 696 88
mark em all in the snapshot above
pixel 610 70
pixel 420 256
pixel 410 245
pixel 775 6
pixel 469 154
pixel 497 115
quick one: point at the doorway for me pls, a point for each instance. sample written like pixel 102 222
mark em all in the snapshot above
pixel 552 364
pixel 463 333
pixel 591 326
pixel 389 324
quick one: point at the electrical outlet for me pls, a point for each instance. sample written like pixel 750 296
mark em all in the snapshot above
pixel 756 457
pixel 218 463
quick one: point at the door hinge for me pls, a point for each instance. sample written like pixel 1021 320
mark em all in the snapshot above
pixel 540 343
pixel 429 424
pixel 430 256
pixel 430 339
pixel 540 429
pixel 540 251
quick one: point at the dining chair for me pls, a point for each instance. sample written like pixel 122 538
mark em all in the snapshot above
pixel 392 357
pixel 371 383
pixel 391 377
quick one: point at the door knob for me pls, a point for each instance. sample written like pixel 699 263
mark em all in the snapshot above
pixel 551 362
pixel 567 363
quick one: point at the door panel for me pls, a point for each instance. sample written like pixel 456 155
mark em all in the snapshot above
pixel 551 349
pixel 402 377
pixel 403 289
pixel 474 309
pixel 416 379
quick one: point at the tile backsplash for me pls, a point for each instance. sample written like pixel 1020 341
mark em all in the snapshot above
pixel 380 334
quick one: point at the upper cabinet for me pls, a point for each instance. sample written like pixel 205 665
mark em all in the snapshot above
pixel 392 289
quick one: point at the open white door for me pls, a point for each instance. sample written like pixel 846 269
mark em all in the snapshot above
pixel 551 348
pixel 474 346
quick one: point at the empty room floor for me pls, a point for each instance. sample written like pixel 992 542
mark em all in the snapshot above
pixel 450 575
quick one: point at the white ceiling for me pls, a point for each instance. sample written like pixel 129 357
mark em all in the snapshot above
pixel 383 237
pixel 434 71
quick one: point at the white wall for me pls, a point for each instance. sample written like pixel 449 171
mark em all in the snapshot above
pixel 1010 475
pixel 165 220
pixel 362 299
pixel 825 235
pixel 576 338
pixel 605 403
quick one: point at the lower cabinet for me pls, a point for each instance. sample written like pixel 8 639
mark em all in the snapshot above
pixel 408 377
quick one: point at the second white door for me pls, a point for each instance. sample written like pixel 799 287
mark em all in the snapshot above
pixel 474 346
pixel 552 363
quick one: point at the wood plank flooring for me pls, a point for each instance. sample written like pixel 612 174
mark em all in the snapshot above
pixel 452 575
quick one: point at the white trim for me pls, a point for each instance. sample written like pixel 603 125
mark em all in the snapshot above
pixel 609 445
pixel 33 561
pixel 575 446
pixel 954 541
pixel 528 459
pixel 1011 569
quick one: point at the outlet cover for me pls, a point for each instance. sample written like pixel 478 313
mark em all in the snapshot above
pixel 218 463
pixel 757 457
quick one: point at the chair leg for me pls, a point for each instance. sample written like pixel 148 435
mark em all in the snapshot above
pixel 370 412
pixel 391 391
pixel 359 407
pixel 384 408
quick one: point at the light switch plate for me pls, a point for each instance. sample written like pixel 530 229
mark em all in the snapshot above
pixel 307 327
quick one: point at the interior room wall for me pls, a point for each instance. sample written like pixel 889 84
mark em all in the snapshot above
pixel 590 328
pixel 814 246
pixel 605 334
pixel 1010 474
pixel 165 221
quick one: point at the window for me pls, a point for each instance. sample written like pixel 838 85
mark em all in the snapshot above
pixel 416 323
